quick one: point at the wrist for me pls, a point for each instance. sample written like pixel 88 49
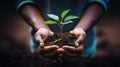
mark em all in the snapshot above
pixel 80 28
pixel 38 24
pixel 37 27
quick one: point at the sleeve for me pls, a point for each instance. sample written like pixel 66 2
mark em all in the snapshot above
pixel 21 3
pixel 103 3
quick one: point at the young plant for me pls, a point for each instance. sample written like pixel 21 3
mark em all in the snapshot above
pixel 60 21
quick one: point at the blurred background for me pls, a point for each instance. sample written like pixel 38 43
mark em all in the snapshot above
pixel 14 36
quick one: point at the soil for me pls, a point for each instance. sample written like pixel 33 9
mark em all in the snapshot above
pixel 61 39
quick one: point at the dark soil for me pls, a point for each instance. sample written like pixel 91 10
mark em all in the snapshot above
pixel 61 39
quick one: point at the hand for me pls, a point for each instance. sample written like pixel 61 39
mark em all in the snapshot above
pixel 71 52
pixel 49 52
pixel 81 36
pixel 41 35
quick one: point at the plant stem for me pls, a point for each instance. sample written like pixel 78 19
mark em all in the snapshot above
pixel 61 26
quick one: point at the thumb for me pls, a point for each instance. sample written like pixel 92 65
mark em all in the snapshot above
pixel 51 33
pixel 71 32
pixel 39 40
pixel 79 41
pixel 75 32
pixel 46 35
pixel 42 44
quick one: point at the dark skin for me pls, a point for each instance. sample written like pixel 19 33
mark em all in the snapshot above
pixel 90 17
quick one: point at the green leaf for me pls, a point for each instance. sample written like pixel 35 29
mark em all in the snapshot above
pixel 54 17
pixel 50 22
pixel 57 40
pixel 64 13
pixel 70 17
pixel 68 22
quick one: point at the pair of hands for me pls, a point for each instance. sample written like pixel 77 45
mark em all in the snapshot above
pixel 66 52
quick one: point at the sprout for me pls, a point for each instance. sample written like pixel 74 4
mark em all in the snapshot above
pixel 57 40
pixel 60 22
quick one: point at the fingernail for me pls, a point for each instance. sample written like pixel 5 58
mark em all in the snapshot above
pixel 41 45
pixel 76 44
pixel 60 50
pixel 71 31
pixel 51 33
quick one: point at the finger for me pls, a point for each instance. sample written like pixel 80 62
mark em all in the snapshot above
pixel 80 48
pixel 80 40
pixel 50 48
pixel 39 40
pixel 49 51
pixel 51 54
pixel 72 49
pixel 60 50
pixel 51 33
pixel 71 32
pixel 68 56
pixel 40 49
pixel 44 37
pixel 76 33
pixel 69 48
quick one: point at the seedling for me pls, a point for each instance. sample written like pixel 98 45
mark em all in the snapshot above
pixel 60 21
pixel 57 40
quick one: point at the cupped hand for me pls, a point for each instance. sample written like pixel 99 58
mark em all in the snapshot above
pixel 73 52
pixel 81 36
pixel 49 52
pixel 41 35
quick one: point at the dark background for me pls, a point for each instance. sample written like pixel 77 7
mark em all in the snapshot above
pixel 14 33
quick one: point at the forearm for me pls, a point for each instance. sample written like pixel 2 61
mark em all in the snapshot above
pixel 33 17
pixel 90 17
